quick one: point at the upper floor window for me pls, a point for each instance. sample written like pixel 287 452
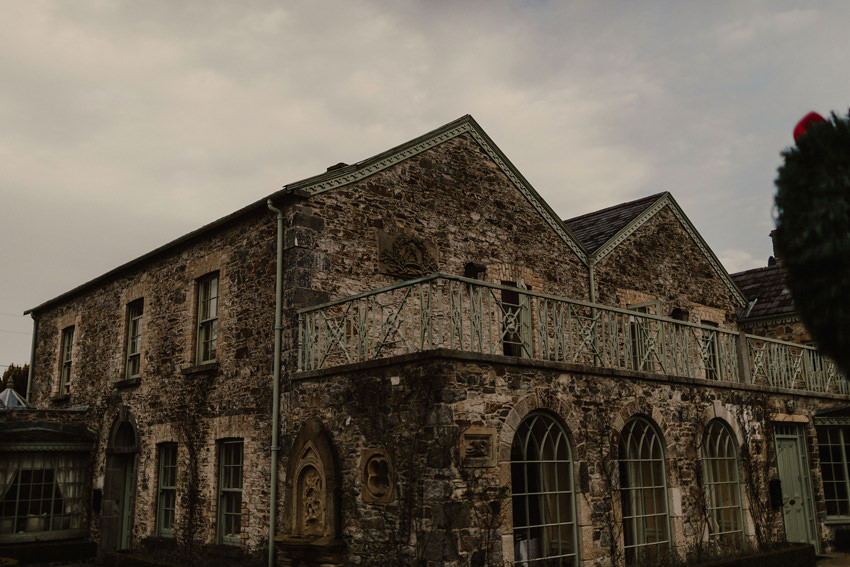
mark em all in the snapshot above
pixel 644 334
pixel 65 358
pixel 134 338
pixel 516 319
pixel 720 463
pixel 646 532
pixel 207 318
pixel 708 348
pixel 543 493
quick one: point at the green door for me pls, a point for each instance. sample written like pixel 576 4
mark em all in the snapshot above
pixel 793 466
pixel 126 501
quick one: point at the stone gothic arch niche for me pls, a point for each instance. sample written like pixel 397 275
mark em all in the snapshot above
pixel 119 490
pixel 308 496
pixel 312 490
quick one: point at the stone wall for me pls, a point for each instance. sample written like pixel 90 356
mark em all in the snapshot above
pixel 660 260
pixel 450 510
pixel 174 399
pixel 452 197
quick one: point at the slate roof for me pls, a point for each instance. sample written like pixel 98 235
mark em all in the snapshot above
pixel 767 287
pixel 596 228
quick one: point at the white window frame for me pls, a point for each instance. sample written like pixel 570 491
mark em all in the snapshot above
pixel 710 350
pixel 56 511
pixel 643 488
pixel 207 327
pixel 543 493
pixel 833 452
pixel 641 331
pixel 133 363
pixel 230 481
pixel 166 501
pixel 723 487
pixel 66 357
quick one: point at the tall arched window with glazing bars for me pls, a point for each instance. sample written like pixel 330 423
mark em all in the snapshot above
pixel 543 494
pixel 643 485
pixel 723 487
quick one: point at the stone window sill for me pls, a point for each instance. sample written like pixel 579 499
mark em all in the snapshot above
pixel 61 398
pixel 128 383
pixel 206 368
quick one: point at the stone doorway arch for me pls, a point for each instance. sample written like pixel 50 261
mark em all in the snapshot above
pixel 120 483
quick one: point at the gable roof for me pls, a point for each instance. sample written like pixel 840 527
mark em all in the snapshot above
pixel 602 231
pixel 767 289
pixel 343 174
pixel 596 228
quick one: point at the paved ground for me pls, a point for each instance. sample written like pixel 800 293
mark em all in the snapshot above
pixel 834 560
pixel 824 560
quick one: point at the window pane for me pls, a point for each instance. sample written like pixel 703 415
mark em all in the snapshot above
pixel 720 464
pixel 832 446
pixel 41 492
pixel 167 489
pixel 207 318
pixel 230 492
pixel 543 496
pixel 643 493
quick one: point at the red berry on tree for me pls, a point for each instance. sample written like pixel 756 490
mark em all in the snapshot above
pixel 805 123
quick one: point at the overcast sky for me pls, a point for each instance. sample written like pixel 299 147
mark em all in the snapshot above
pixel 124 125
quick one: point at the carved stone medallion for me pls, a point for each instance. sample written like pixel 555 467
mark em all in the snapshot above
pixel 406 256
pixel 377 476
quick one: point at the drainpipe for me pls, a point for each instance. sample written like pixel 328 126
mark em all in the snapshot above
pixel 32 357
pixel 278 330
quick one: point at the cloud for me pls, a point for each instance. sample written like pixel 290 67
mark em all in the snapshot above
pixel 739 260
pixel 125 124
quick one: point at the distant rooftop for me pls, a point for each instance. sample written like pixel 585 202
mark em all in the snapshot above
pixel 767 287
pixel 596 228
pixel 10 399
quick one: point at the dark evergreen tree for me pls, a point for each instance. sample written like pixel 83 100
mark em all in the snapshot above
pixel 15 377
pixel 813 230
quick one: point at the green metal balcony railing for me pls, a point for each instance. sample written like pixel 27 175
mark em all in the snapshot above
pixel 441 311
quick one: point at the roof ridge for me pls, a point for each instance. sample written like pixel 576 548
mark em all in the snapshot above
pixel 652 198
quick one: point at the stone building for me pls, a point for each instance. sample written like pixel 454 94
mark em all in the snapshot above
pixel 412 360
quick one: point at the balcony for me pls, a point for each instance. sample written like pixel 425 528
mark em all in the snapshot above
pixel 450 312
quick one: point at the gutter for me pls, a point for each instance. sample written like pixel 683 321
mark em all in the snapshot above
pixel 278 331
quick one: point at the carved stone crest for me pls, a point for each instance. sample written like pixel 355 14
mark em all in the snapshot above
pixel 478 448
pixel 310 495
pixel 312 500
pixel 406 256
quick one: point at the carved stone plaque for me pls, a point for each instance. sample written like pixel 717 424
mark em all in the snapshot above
pixel 377 476
pixel 478 447
pixel 406 256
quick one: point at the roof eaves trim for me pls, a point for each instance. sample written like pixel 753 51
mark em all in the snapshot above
pixel 629 229
pixel 667 200
pixel 777 319
pixel 463 125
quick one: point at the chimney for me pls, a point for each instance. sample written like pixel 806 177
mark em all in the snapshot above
pixel 776 258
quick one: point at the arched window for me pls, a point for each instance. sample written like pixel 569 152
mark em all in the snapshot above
pixel 646 530
pixel 720 465
pixel 543 495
